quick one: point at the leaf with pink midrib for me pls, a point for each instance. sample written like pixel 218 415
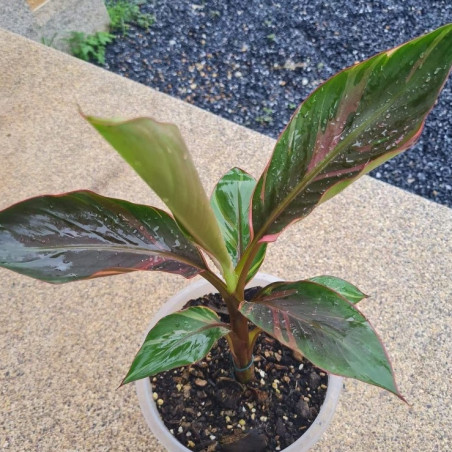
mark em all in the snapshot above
pixel 83 235
pixel 322 324
pixel 352 123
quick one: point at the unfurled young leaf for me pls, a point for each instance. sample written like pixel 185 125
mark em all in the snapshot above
pixel 157 152
pixel 327 329
pixel 82 235
pixel 230 202
pixel 177 340
pixel 354 122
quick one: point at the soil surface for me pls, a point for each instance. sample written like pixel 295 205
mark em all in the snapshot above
pixel 253 62
pixel 206 409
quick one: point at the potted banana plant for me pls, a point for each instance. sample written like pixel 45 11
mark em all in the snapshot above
pixel 348 126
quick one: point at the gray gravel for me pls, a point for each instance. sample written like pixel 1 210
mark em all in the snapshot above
pixel 253 62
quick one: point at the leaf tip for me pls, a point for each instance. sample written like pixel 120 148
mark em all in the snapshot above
pixel 402 398
pixel 123 383
pixel 80 111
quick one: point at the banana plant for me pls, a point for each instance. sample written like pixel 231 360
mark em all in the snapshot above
pixel 348 126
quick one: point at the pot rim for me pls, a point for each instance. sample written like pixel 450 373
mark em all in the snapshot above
pixel 149 408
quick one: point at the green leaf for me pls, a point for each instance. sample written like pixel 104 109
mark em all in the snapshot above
pixel 230 202
pixel 82 235
pixel 177 340
pixel 342 287
pixel 321 324
pixel 157 152
pixel 354 122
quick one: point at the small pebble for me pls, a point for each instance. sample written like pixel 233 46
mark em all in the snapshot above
pixel 200 382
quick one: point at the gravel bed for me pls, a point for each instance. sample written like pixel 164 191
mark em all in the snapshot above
pixel 253 62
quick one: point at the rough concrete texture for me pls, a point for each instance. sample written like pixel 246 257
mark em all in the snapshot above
pixel 17 17
pixel 54 20
pixel 64 349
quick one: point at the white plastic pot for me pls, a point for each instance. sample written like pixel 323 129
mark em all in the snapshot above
pixel 144 388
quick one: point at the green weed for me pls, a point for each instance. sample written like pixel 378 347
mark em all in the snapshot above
pixel 266 118
pixel 123 12
pixel 271 37
pixel 87 47
pixel 48 41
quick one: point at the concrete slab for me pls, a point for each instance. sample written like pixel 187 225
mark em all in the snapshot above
pixel 57 19
pixel 17 17
pixel 64 349
pixel 52 21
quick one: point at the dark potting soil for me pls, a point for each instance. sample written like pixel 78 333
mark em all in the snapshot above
pixel 207 410
pixel 254 61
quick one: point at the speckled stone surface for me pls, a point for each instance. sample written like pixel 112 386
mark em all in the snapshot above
pixel 17 17
pixel 53 21
pixel 64 349
pixel 57 19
